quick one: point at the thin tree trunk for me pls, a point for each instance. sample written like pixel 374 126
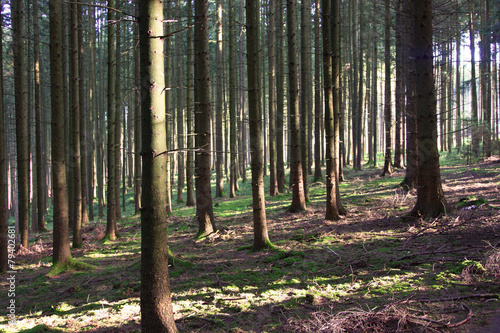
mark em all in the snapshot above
pixel 74 97
pixel 40 176
pixel 204 208
pixel 273 177
pixel 458 95
pixel 280 93
pixel 474 109
pixel 485 70
pixel 4 195
pixel 111 118
pixel 137 118
pixel 189 110
pixel 261 238
pixel 156 303
pixel 387 93
pixel 219 142
pixel 318 103
pixel 21 119
pixel 181 167
pixel 306 91
pixel 296 170
pixel 399 94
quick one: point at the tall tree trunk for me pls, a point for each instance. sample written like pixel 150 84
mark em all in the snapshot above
pixel 296 170
pixel 189 110
pixel 156 303
pixel 410 180
pixel 118 115
pixel 318 102
pixel 399 94
pixel 280 93
pixel 21 119
pixel 61 253
pixel 485 70
pixel 219 139
pixel 111 117
pixel 261 238
pixel 137 117
pixel 168 101
pixel 204 208
pixel 430 197
pixel 181 166
pixel 76 214
pixel 474 109
pixel 387 92
pixel 40 175
pixel 458 95
pixel 331 74
pixel 83 118
pixel 374 101
pixel 306 91
pixel 4 195
pixel 92 110
pixel 273 177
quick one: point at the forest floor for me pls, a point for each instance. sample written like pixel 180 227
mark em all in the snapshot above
pixel 373 271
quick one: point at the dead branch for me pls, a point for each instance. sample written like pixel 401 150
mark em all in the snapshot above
pixel 438 252
pixel 455 298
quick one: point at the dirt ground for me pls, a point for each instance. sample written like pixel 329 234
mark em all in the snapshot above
pixel 373 271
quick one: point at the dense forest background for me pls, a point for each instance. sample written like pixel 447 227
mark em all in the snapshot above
pixel 289 94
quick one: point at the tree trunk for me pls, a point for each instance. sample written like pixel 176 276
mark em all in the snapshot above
pixel 189 110
pixel 219 139
pixel 76 214
pixel 474 109
pixel 273 177
pixel 387 93
pixel 280 93
pixel 261 238
pixel 40 175
pixel 111 117
pixel 4 195
pixel 331 76
pixel 430 197
pixel 83 118
pixel 485 71
pixel 306 91
pixel 204 208
pixel 458 95
pixel 296 170
pixel 21 119
pixel 137 118
pixel 410 180
pixel 399 94
pixel 156 303
pixel 61 253
pixel 181 167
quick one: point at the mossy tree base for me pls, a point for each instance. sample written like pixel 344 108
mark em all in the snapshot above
pixel 59 268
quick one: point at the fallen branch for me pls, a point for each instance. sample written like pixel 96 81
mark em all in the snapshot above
pixel 438 252
pixel 455 298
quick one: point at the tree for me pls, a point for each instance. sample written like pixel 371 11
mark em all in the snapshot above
pixel 261 238
pixel 296 170
pixel 137 118
pixel 61 252
pixel 76 214
pixel 219 138
pixel 485 81
pixel 387 92
pixel 430 197
pixel 111 122
pixel 318 101
pixel 474 108
pixel 4 218
pixel 204 208
pixel 189 110
pixel 156 303
pixel 21 119
pixel 280 93
pixel 273 179
pixel 40 175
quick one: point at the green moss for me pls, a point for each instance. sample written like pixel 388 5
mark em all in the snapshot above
pixel 59 268
pixel 40 329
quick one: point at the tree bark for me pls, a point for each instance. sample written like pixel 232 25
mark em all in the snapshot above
pixel 280 93
pixel 296 170
pixel 4 195
pixel 111 122
pixel 21 119
pixel 61 253
pixel 156 303
pixel 219 139
pixel 204 208
pixel 273 177
pixel 387 93
pixel 430 197
pixel 261 238
pixel 189 110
